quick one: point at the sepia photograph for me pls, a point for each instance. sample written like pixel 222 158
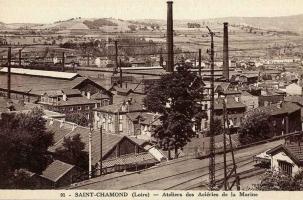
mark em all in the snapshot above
pixel 180 96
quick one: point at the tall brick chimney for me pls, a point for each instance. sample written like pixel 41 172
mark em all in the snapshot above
pixel 170 38
pixel 225 52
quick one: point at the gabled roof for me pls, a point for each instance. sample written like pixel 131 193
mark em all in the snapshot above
pixel 34 72
pixel 56 170
pixel 230 104
pixel 117 107
pixel 293 150
pixel 285 108
pixel 294 99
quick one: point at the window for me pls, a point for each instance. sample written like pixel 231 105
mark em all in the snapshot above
pixel 285 167
pixel 120 123
pixel 86 107
pixel 71 109
pixel 79 107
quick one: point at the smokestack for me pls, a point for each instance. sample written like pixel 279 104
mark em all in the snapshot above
pixel 169 38
pixel 225 53
pixel 9 57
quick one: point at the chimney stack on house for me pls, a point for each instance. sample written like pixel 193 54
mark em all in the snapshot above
pixel 88 95
pixel 170 38
pixel 225 52
pixel 64 97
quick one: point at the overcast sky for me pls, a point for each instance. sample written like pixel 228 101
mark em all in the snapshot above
pixel 46 11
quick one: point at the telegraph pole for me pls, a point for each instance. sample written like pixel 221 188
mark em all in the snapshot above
pixel 224 144
pixel 212 164
pixel 116 55
pixel 101 129
pixel 120 73
pixel 90 152
pixel 9 58
pixel 200 60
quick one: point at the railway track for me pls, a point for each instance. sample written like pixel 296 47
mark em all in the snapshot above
pixel 191 174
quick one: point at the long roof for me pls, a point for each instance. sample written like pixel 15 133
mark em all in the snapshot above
pixel 34 72
pixel 274 109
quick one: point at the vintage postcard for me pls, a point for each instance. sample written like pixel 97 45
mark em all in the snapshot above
pixel 151 99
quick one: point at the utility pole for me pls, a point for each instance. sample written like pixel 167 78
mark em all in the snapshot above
pixel 233 171
pixel 212 164
pixel 20 57
pixel 224 144
pixel 120 73
pixel 90 152
pixel 200 60
pixel 63 61
pixel 9 58
pixel 101 129
pixel 116 55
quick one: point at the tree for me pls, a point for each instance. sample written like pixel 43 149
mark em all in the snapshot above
pixel 77 118
pixel 279 181
pixel 175 98
pixel 255 127
pixel 24 142
pixel 73 152
pixel 218 126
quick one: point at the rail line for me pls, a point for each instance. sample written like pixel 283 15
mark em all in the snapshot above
pixel 183 173
pixel 175 187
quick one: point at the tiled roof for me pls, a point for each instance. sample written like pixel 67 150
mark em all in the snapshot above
pixel 37 85
pixel 98 96
pixel 117 107
pixel 56 170
pixel 59 128
pixel 4 103
pixel 295 149
pixel 294 99
pixel 285 108
pixel 231 103
pixel 76 101
pixel 109 141
pixel 143 158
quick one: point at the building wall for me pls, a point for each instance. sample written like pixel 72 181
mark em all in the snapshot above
pixel 268 100
pixel 294 120
pixel 293 89
pixel 283 157
pixel 125 147
pixel 86 110
pixel 114 123
pixel 250 101
pixel 68 178
pixel 279 124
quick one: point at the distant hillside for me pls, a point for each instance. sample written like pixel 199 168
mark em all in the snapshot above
pixel 98 23
pixel 286 23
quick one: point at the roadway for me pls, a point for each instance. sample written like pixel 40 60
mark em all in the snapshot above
pixel 178 174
